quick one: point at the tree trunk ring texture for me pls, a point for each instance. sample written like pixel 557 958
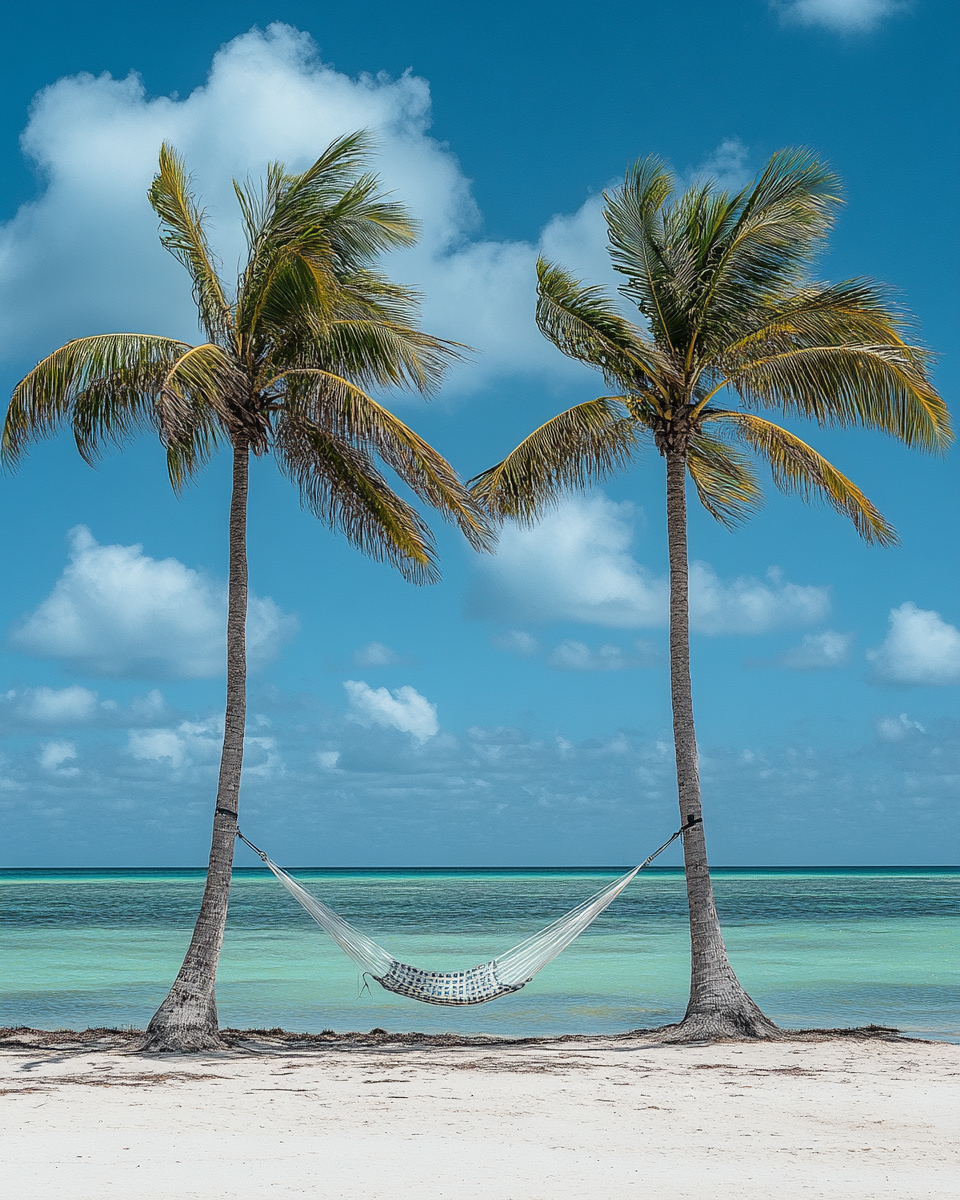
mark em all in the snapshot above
pixel 718 1006
pixel 186 1021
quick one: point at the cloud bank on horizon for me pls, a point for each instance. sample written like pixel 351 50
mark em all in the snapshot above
pixel 334 789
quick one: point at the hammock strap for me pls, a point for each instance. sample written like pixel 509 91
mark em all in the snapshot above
pixel 523 961
pixel 256 849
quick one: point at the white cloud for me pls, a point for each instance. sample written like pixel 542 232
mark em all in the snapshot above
pixel 727 166
pixel 818 650
pixel 54 754
pixel 328 758
pixel 116 612
pixel 404 709
pixel 579 242
pixel 920 647
pixel 84 256
pixel 46 707
pixel 494 795
pixel 894 729
pixel 746 605
pixel 518 641
pixel 844 16
pixel 575 565
pixel 375 654
pixel 154 745
pixel 191 742
pixel 150 707
pixel 577 656
pixel 55 706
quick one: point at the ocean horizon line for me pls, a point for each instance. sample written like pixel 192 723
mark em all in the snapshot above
pixel 944 868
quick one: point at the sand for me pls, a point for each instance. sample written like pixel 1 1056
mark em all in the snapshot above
pixel 548 1121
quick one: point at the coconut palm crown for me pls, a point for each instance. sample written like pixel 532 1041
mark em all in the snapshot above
pixel 732 325
pixel 287 368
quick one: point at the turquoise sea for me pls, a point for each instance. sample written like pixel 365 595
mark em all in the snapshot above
pixel 815 947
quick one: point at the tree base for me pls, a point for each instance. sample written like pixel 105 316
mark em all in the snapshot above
pixel 181 1040
pixel 741 1025
pixel 186 1022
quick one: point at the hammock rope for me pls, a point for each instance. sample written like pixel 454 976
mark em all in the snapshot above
pixel 507 973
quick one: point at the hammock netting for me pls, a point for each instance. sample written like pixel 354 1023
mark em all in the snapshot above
pixel 507 973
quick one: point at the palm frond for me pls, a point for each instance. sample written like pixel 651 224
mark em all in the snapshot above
pixel 813 314
pixel 377 353
pixel 196 443
pixel 781 223
pixel 339 484
pixel 107 387
pixel 307 232
pixel 882 386
pixel 797 468
pixel 727 487
pixel 584 324
pixel 203 380
pixel 338 406
pixel 634 215
pixel 579 447
pixel 183 234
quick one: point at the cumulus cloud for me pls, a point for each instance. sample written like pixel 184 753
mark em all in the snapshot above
pixel 843 16
pixel 577 656
pixel 489 795
pixel 920 648
pixel 747 605
pixel 54 754
pixel 817 651
pixel 375 654
pixel 895 729
pixel 575 565
pixel 84 256
pixel 189 743
pixel 69 707
pixel 404 709
pixel 54 706
pixel 728 166
pixel 117 612
pixel 518 641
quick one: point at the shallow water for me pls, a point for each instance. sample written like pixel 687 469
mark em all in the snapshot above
pixel 817 947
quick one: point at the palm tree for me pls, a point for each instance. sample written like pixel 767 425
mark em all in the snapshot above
pixel 732 323
pixel 286 369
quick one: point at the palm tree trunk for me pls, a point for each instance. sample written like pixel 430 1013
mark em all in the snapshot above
pixel 187 1019
pixel 718 1005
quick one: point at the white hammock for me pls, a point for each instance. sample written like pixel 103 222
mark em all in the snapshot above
pixel 508 973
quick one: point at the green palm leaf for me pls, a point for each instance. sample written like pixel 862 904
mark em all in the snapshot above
pixel 183 234
pixel 340 485
pixel 108 387
pixel 726 484
pixel 581 446
pixel 799 469
pixel 325 400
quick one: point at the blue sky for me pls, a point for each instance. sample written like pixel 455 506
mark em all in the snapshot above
pixel 516 713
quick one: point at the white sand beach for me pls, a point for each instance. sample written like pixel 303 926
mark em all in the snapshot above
pixel 834 1118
